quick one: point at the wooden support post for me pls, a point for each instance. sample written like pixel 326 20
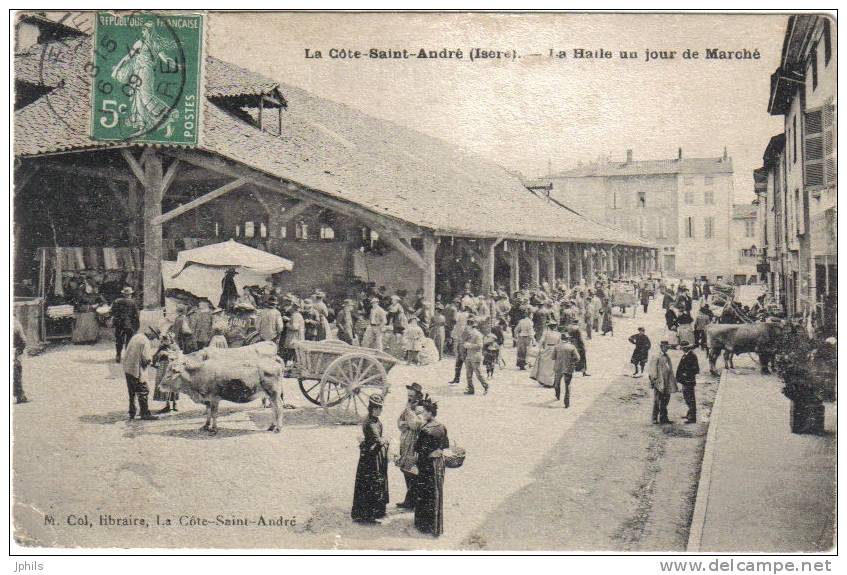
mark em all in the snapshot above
pixel 566 253
pixel 590 268
pixel 152 232
pixel 488 263
pixel 514 268
pixel 428 271
pixel 134 211
pixel 535 264
pixel 579 255
pixel 550 256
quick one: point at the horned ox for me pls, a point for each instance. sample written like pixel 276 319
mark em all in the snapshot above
pixel 239 375
pixel 738 338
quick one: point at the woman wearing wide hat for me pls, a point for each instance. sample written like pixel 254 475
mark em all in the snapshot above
pixel 370 494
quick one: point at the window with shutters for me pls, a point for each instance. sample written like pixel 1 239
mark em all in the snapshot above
pixel 662 232
pixel 689 227
pixel 709 197
pixel 708 227
pixel 689 198
pixel 749 228
pixel 829 144
pixel 708 180
pixel 819 147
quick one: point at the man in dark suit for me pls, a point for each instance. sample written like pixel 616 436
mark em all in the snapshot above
pixel 565 360
pixel 124 320
pixel 686 373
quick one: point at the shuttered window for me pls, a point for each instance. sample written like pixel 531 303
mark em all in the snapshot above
pixel 813 161
pixel 829 145
pixel 709 227
pixel 820 147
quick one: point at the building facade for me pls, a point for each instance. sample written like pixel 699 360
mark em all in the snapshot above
pixel 683 205
pixel 745 243
pixel 800 196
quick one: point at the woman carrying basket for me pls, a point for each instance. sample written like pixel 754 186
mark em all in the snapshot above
pixel 432 439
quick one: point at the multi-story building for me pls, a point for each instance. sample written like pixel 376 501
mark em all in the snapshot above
pixel 684 205
pixel 745 243
pixel 801 192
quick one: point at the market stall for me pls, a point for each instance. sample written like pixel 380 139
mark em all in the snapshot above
pixel 76 285
pixel 222 274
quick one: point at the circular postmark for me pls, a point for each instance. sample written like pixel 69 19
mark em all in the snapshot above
pixel 128 68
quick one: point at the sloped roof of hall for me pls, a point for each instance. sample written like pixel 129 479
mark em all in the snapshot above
pixel 329 147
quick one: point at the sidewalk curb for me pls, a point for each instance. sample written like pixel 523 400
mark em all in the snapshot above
pixel 701 504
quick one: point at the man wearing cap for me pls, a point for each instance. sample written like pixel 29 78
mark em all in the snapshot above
pixel 269 324
pixel 139 354
pixel 124 320
pixel 661 375
pixel 473 341
pixel 686 373
pixel 409 425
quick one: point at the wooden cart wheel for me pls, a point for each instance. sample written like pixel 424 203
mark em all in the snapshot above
pixel 311 389
pixel 348 384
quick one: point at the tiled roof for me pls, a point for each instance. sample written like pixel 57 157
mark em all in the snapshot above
pixel 744 211
pixel 343 153
pixel 650 167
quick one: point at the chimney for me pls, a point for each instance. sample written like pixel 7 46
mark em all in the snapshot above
pixel 629 156
pixel 679 154
pixel 724 154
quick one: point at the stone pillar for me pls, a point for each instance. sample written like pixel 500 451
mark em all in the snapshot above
pixel 152 232
pixel 566 263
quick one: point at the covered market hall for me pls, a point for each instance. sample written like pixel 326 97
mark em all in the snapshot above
pixel 350 199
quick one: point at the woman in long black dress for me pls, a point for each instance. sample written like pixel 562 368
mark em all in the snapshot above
pixel 432 438
pixel 370 495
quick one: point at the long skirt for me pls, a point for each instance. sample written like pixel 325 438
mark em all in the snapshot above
pixel 86 329
pixel 542 371
pixel 158 394
pixel 370 494
pixel 429 509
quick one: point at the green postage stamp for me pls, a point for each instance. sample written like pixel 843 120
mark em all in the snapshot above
pixel 146 77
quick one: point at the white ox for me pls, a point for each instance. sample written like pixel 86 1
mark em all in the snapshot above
pixel 239 375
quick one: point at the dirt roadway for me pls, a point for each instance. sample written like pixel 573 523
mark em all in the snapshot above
pixel 596 476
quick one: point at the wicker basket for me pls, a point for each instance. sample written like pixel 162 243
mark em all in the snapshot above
pixel 454 456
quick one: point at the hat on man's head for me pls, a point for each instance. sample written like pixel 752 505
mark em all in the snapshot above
pixel 416 387
pixel 376 401
pixel 685 345
pixel 127 290
pixel 664 342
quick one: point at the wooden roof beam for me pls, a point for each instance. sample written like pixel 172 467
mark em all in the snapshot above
pixel 295 190
pixel 205 198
